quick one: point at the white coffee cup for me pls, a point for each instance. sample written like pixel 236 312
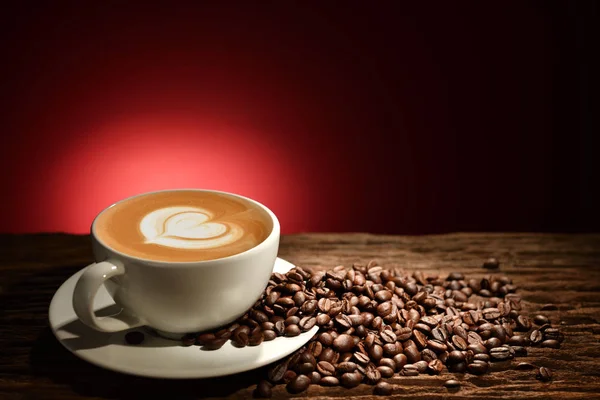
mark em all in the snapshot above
pixel 175 298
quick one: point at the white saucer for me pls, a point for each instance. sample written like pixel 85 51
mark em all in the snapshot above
pixel 157 357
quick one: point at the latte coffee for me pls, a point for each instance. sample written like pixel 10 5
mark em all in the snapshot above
pixel 183 226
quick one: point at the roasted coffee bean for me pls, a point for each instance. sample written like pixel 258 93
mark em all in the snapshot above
pixel 134 337
pixel 372 375
pixel 275 373
pixel 491 263
pixel 269 335
pixel 204 337
pixel 458 367
pixel 386 372
pixel 388 336
pixel 384 309
pixel 299 298
pixel 361 358
pixel 439 334
pixel 305 368
pixel 292 288
pixel 544 374
pixel 523 366
pixel 324 305
pixel 420 339
pixel 383 296
pixel 487 326
pixel 409 370
pixel 280 327
pixel 252 332
pixel 481 357
pixel 549 307
pixel 307 323
pixel 343 357
pixel 428 355
pixel 376 352
pixel 285 302
pixel 459 342
pixel 214 344
pixel 309 307
pixel 188 340
pixel 421 366
pixel 492 342
pixel 477 348
pixel 553 333
pixel 404 334
pixel 326 339
pixel 293 320
pixel 329 381
pixel 477 368
pixel 523 323
pixel 226 333
pixel 519 351
pixel 456 356
pixel 443 356
pixel 387 362
pixel 343 321
pixel 412 354
pixel 299 384
pixel 536 337
pixel 452 383
pixel 343 343
pixel 323 319
pixel 336 308
pixel 315 377
pixel 240 339
pixel 292 330
pixel 327 355
pixel 265 326
pixel 259 316
pixel 425 329
pixel 436 345
pixel 307 357
pixel 356 320
pixel 383 389
pixel 541 320
pixel 350 379
pixel 315 348
pixel 346 366
pixel 325 368
pixel 411 288
pixel 551 343
pixel 263 390
pixel 500 354
pixel 400 360
pixel 517 340
pixel 256 339
pixel 473 337
pixel 499 332
pixel 435 367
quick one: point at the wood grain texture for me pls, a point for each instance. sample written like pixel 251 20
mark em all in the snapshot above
pixel 559 269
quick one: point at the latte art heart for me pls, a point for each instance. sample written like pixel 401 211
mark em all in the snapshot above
pixel 188 228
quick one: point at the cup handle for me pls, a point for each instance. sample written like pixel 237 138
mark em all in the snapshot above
pixel 85 292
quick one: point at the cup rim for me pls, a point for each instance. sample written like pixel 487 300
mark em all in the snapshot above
pixel 275 231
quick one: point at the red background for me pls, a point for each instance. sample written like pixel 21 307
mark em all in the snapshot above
pixel 339 117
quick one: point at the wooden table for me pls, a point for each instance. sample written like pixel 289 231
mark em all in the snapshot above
pixel 559 269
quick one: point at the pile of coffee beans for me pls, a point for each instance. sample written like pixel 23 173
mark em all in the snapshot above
pixel 376 323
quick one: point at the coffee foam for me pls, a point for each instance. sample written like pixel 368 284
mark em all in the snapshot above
pixel 183 226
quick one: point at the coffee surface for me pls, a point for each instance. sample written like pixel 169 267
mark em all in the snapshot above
pixel 183 225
